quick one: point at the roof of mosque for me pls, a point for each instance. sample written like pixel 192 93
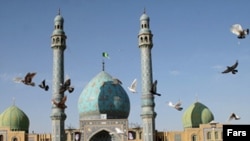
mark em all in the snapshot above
pixel 15 119
pixel 102 97
pixel 196 114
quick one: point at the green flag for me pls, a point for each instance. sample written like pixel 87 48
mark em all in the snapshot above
pixel 105 54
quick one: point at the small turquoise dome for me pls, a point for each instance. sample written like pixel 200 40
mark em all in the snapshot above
pixel 144 16
pixel 196 114
pixel 101 96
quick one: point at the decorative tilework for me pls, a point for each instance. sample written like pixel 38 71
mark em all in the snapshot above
pixel 101 96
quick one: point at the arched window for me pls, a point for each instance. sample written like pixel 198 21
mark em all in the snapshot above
pixel 208 135
pixel 145 25
pixel 1 137
pixel 57 40
pixel 141 39
pixel 216 135
pixel 14 139
pixel 131 135
pixel 146 39
pixel 140 135
pixel 142 26
pixel 194 137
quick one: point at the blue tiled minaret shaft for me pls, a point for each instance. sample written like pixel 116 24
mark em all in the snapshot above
pixel 58 45
pixel 147 100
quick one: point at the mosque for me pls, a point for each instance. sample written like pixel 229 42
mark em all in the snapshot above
pixel 104 106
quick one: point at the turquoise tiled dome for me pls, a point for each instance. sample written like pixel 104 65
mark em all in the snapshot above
pixel 101 96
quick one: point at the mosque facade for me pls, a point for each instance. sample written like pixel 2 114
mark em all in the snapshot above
pixel 104 106
pixel 197 122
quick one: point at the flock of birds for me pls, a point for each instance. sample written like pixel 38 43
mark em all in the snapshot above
pixel 241 34
pixel 66 86
pixel 153 90
pixel 235 29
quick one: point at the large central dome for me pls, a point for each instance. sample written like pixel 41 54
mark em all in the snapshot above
pixel 101 96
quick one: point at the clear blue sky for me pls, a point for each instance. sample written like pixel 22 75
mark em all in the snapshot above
pixel 192 46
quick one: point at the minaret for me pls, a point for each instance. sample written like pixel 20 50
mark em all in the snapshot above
pixel 147 100
pixel 58 45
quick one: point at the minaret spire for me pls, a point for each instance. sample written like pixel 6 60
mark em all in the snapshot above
pixel 59 11
pixel 58 45
pixel 146 44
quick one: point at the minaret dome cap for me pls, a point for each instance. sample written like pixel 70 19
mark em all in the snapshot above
pixel 144 16
pixel 59 18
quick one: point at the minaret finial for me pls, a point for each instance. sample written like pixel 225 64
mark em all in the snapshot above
pixel 144 10
pixel 196 97
pixel 14 100
pixel 103 65
pixel 59 11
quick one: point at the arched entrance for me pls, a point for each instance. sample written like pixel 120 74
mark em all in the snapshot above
pixel 101 136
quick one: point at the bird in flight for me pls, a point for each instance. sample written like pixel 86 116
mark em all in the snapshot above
pixel 44 86
pixel 153 89
pixel 233 116
pixel 117 81
pixel 177 106
pixel 239 31
pixel 232 68
pixel 66 86
pixel 119 131
pixel 60 104
pixel 132 87
pixel 27 79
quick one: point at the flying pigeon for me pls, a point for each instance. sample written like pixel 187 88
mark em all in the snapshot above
pixel 239 31
pixel 44 86
pixel 232 68
pixel 27 79
pixel 153 88
pixel 119 131
pixel 60 104
pixel 70 89
pixel 117 81
pixel 132 87
pixel 177 106
pixel 234 116
pixel 66 86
